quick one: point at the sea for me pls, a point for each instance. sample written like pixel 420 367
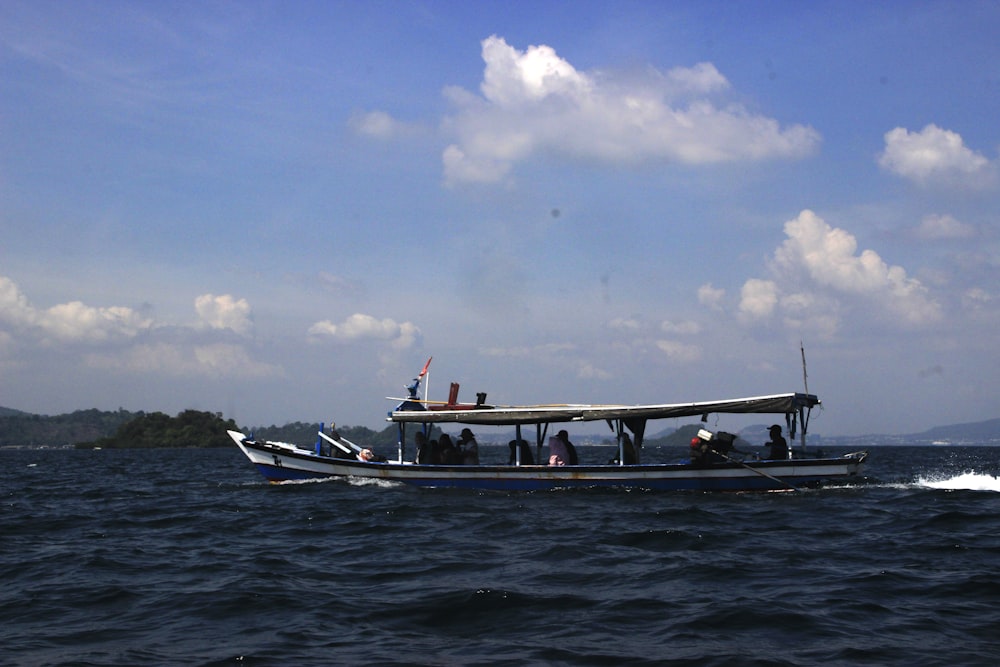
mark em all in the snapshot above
pixel 188 557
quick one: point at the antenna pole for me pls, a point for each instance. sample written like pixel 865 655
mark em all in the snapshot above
pixel 805 376
pixel 805 383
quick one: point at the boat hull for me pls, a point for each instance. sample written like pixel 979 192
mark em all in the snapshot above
pixel 279 462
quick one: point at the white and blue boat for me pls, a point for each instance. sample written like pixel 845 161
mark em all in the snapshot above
pixel 721 470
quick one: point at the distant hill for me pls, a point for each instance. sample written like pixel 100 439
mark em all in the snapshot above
pixel 190 428
pixel 987 431
pixel 23 429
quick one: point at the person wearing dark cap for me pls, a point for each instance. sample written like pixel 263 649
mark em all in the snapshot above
pixel 777 447
pixel 468 447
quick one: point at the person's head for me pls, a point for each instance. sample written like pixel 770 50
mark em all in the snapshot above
pixel 466 434
pixel 562 435
pixel 774 430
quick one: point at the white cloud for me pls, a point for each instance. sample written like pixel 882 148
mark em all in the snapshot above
pixel 587 371
pixel 76 322
pixel 943 227
pixel 514 77
pixel 14 306
pixel 976 298
pixel 687 328
pixel 378 125
pixel 625 324
pixel 224 312
pixel 365 327
pixel 534 101
pixel 758 298
pixel 677 351
pixel 711 296
pixel 822 264
pixel 934 155
pixel 543 351
pixel 70 322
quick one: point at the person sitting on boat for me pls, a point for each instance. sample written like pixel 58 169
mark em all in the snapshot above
pixel 558 455
pixel 468 448
pixel 699 451
pixel 447 454
pixel 573 460
pixel 629 450
pixel 777 447
pixel 526 457
pixel 423 454
pixel 561 450
pixel 704 449
pixel 370 456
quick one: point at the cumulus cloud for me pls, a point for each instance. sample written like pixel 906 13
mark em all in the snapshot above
pixel 70 322
pixel 825 272
pixel 121 339
pixel 934 155
pixel 534 101
pixel 14 306
pixel 224 312
pixel 758 298
pixel 365 327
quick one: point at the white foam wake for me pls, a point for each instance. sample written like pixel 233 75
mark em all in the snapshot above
pixel 969 481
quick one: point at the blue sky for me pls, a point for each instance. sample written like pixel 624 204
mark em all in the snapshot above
pixel 279 211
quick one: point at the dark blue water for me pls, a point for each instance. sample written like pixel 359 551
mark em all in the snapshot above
pixel 188 557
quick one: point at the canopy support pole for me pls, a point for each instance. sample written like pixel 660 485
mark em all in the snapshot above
pixel 401 445
pixel 517 445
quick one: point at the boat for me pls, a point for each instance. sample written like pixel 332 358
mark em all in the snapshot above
pixel 718 467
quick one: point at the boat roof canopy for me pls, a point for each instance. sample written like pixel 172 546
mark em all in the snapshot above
pixel 545 414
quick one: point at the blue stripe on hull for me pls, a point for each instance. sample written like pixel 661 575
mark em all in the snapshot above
pixel 281 474
pixel 681 484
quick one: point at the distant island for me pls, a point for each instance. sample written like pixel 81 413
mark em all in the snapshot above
pixel 122 429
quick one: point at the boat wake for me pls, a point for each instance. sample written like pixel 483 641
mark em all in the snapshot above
pixel 371 481
pixel 968 481
pixel 311 480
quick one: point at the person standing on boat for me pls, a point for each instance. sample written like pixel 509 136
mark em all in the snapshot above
pixel 778 446
pixel 468 448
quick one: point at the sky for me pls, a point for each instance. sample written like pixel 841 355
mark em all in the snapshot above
pixel 279 211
